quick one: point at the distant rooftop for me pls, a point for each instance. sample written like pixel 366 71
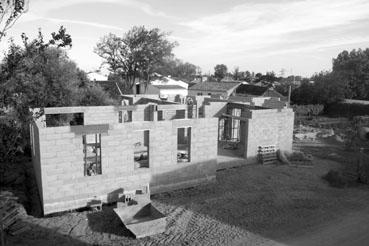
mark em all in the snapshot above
pixel 145 100
pixel 214 86
pixel 169 87
pixel 251 89
pixel 256 90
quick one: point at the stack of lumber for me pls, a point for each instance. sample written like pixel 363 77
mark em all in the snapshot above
pixel 10 218
pixel 267 154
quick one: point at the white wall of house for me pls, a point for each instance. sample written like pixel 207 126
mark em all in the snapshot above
pixel 169 81
pixel 171 94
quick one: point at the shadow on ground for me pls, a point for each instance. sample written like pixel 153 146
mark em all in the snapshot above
pixel 106 221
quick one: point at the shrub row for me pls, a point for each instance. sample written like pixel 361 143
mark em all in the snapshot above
pixel 348 110
pixel 309 109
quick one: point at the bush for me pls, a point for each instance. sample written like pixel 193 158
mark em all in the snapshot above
pixel 308 110
pixel 336 179
pixel 348 110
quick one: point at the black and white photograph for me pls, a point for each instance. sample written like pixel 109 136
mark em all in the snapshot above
pixel 184 122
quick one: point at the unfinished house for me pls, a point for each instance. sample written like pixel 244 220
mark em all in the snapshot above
pixel 119 147
pixel 246 131
pixel 85 153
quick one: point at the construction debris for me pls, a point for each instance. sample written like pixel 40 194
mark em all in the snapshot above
pixel 267 154
pixel 139 215
pixel 10 211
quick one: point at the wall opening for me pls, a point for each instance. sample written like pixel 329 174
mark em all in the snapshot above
pixel 124 116
pixel 221 129
pixel 92 154
pixel 235 131
pixel 184 144
pixel 160 115
pixel 54 120
pixel 141 149
pixel 180 114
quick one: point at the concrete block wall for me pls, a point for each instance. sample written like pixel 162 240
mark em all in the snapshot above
pixel 63 184
pixel 269 127
pixel 214 109
pixel 168 174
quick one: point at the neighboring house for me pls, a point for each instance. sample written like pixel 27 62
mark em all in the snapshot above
pixel 166 87
pixel 167 80
pixel 174 93
pixel 258 91
pixel 221 89
pixel 97 76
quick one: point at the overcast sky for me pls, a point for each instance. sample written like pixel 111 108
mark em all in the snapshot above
pixel 257 35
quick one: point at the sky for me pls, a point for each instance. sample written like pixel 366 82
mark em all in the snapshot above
pixel 299 36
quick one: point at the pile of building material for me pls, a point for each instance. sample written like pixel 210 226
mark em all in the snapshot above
pixel 139 215
pixel 267 154
pixel 10 215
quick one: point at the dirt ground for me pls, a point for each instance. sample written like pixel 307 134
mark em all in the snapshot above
pixel 251 205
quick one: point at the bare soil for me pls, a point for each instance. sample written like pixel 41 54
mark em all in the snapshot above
pixel 251 205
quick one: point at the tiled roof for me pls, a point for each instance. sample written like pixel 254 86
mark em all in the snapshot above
pixel 145 100
pixel 169 87
pixel 251 90
pixel 214 86
pixel 255 90
pixel 274 93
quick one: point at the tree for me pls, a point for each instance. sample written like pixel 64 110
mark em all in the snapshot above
pixel 258 77
pixel 10 11
pixel 236 73
pixel 270 77
pixel 94 95
pixel 327 88
pixel 249 76
pixel 177 69
pixel 136 54
pixel 353 68
pixel 38 74
pixel 220 71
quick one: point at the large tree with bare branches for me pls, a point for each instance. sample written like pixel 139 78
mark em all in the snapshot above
pixel 135 54
pixel 10 11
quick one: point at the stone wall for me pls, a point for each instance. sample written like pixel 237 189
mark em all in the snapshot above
pixel 63 184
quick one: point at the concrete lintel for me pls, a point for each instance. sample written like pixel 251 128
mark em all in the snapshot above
pixel 173 107
pixel 128 107
pixel 90 129
pixel 63 110
pixel 235 117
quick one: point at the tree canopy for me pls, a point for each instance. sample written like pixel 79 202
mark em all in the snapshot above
pixel 353 68
pixel 39 74
pixel 136 53
pixel 177 69
pixel 10 11
pixel 349 78
pixel 220 71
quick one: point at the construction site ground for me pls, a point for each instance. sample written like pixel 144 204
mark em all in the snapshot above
pixel 250 205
